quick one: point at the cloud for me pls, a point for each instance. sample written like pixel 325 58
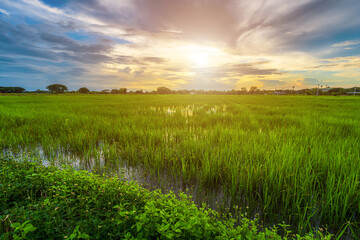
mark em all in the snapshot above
pixel 340 63
pixel 309 25
pixel 67 44
pixel 31 41
pixel 76 71
pixel 127 70
pixel 124 59
pixel 251 27
pixel 156 60
pixel 250 69
pixel 152 42
pixel 140 71
pixel 273 83
pixel 243 69
pixel 3 11
pixel 20 69
pixel 213 20
pixel 310 81
pixel 346 43
pixel 6 60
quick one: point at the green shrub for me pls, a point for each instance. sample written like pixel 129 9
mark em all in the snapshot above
pixel 40 202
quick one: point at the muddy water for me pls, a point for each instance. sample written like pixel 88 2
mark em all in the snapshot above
pixel 214 197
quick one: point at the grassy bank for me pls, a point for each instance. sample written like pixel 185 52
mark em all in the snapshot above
pixel 285 158
pixel 40 202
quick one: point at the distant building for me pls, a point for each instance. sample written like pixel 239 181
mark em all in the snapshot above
pixel 279 93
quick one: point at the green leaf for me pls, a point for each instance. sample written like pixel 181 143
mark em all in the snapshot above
pixel 16 237
pixel 16 225
pixel 138 227
pixel 83 235
pixel 72 236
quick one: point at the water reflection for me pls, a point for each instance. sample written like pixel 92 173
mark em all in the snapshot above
pixel 214 197
pixel 188 111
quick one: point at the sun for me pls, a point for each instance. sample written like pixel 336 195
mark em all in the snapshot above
pixel 200 56
pixel 200 59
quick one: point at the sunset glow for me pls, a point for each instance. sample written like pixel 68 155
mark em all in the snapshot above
pixel 211 44
pixel 204 57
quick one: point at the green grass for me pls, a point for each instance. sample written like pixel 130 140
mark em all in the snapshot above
pixel 39 202
pixel 286 158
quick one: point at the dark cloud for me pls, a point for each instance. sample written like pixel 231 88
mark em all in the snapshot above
pixel 125 59
pixel 35 55
pixel 176 69
pixel 229 20
pixel 63 43
pixel 6 60
pixel 243 69
pixel 130 60
pixel 340 63
pixel 226 75
pixel 24 40
pixel 140 71
pixel 20 69
pixel 310 25
pixel 86 58
pixel 251 69
pixel 20 40
pixel 126 70
pixel 156 60
pixel 28 51
pixel 76 71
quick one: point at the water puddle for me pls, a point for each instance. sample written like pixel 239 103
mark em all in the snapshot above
pixel 189 111
pixel 214 197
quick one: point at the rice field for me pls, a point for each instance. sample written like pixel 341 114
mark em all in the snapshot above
pixel 281 158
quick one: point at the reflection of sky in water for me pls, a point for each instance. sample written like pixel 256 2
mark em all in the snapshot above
pixel 190 110
pixel 213 197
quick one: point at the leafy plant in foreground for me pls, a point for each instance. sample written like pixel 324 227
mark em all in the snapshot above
pixel 70 204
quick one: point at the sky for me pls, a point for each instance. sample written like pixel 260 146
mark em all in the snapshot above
pixel 179 44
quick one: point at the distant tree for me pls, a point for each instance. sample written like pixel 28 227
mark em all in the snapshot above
pixel 122 90
pixel 19 89
pixel 337 91
pixel 253 88
pixel 115 91
pixel 163 90
pixel 183 91
pixel 139 91
pixel 309 92
pixel 57 88
pixel 84 90
pixel 243 89
pixel 105 91
pixel 12 90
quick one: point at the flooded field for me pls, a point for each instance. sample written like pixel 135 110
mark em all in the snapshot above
pixel 282 158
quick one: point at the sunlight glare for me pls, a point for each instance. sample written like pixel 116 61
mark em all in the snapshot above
pixel 202 56
pixel 200 59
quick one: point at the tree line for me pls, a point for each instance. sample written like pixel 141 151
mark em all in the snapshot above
pixel 12 90
pixel 60 88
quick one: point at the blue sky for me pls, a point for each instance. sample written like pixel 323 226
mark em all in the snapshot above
pixel 180 44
